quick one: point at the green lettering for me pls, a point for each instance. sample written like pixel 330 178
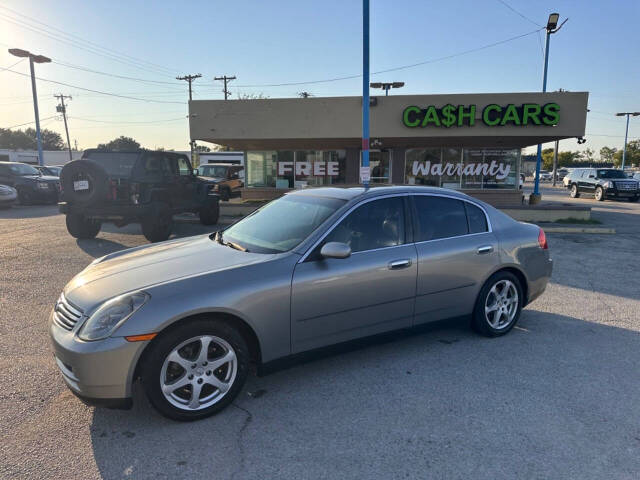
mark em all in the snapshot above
pixel 531 111
pixel 431 117
pixel 407 115
pixel 510 115
pixel 551 114
pixel 487 112
pixel 470 116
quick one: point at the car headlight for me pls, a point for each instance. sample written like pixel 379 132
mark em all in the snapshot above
pixel 608 184
pixel 111 314
pixel 43 185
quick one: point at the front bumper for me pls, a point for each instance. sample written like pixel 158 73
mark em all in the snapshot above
pixel 616 193
pixel 99 372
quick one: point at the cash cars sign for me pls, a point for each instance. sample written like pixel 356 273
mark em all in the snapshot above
pixel 493 115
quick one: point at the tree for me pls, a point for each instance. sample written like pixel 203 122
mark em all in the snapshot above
pixel 547 158
pixel 588 155
pixel 201 149
pixel 566 158
pixel 252 96
pixel 633 154
pixel 120 144
pixel 26 139
pixel 607 154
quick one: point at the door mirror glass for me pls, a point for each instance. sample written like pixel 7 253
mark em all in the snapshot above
pixel 592 176
pixel 195 172
pixel 335 250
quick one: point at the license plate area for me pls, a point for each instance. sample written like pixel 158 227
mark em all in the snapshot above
pixel 81 185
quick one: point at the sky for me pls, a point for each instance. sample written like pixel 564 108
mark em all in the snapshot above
pixel 264 43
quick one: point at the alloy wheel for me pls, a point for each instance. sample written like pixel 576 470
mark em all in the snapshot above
pixel 198 372
pixel 501 304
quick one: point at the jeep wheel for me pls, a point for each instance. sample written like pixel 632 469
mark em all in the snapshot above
pixel 599 194
pixel 210 213
pixel 574 191
pixel 80 227
pixel 156 225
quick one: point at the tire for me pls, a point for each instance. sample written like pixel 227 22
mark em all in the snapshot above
pixel 225 194
pixel 599 195
pixel 218 386
pixel 574 193
pixel 25 197
pixel 80 227
pixel 89 171
pixel 210 213
pixel 157 224
pixel 493 323
pixel 633 199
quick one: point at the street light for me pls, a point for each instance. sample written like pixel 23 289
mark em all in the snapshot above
pixel 626 133
pixel 17 52
pixel 552 27
pixel 386 86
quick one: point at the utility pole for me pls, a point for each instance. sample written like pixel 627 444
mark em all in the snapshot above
pixel 190 79
pixel 225 79
pixel 63 109
pixel 555 162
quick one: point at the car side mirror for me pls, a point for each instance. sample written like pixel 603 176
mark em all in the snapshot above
pixel 592 176
pixel 195 172
pixel 335 250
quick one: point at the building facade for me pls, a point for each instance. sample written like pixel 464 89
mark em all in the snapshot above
pixel 470 142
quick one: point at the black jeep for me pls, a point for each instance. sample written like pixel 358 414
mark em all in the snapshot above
pixel 603 183
pixel 133 187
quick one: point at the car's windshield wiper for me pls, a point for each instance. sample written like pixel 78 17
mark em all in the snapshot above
pixel 234 245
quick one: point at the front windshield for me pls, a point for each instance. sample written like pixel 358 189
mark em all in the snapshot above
pixel 611 174
pixel 213 170
pixel 282 224
pixel 23 169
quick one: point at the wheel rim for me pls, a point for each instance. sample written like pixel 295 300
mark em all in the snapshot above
pixel 198 372
pixel 501 304
pixel 574 190
pixel 598 194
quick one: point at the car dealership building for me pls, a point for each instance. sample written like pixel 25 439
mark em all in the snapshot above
pixel 470 142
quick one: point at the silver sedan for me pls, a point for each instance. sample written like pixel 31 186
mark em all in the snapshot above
pixel 314 268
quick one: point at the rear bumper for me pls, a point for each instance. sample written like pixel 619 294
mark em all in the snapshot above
pixel 115 212
pixel 539 285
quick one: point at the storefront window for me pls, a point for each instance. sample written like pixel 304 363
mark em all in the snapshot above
pixel 462 168
pixel 295 169
pixel 380 166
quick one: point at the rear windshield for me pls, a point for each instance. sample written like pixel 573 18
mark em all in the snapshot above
pixel 117 164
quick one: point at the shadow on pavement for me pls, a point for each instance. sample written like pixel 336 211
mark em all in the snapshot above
pixel 444 403
pixel 29 211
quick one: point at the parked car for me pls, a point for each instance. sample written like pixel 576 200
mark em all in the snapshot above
pixel 561 173
pixel 52 171
pixel 604 183
pixel 8 196
pixel 545 176
pixel 133 187
pixel 228 179
pixel 573 173
pixel 313 268
pixel 32 187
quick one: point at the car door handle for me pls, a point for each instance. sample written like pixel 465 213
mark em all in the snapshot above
pixel 398 264
pixel 485 249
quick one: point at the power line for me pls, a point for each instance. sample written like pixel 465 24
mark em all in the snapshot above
pixel 520 14
pixel 84 119
pixel 124 77
pixel 28 123
pixel 11 66
pixel 190 79
pixel 97 91
pixel 394 69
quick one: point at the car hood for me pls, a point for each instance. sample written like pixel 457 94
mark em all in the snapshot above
pixel 212 179
pixel 149 265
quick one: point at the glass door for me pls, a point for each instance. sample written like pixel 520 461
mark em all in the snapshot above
pixel 379 165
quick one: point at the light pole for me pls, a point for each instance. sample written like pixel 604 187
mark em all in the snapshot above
pixel 626 133
pixel 386 86
pixel 552 27
pixel 33 59
pixel 364 169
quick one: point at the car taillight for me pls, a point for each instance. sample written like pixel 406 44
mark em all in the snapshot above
pixel 542 240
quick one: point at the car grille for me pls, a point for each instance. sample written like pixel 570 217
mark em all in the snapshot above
pixel 66 315
pixel 627 185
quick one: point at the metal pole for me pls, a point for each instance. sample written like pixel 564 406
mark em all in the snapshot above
pixel 35 109
pixel 555 162
pixel 536 188
pixel 365 90
pixel 624 150
pixel 66 128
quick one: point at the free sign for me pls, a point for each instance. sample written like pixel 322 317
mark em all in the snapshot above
pixel 317 169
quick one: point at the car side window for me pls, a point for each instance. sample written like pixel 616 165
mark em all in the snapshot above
pixel 476 218
pixel 183 167
pixel 376 224
pixel 439 217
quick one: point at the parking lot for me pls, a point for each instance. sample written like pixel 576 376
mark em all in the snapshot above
pixel 556 398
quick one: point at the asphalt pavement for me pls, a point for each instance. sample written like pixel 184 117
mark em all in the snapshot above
pixel 558 397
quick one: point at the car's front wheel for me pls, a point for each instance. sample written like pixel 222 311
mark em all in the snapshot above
pixel 599 194
pixel 574 191
pixel 498 305
pixel 210 212
pixel 196 370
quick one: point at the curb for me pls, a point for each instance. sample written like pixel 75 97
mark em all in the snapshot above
pixel 578 230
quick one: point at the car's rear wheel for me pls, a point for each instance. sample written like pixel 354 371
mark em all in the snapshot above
pixel 158 222
pixel 80 227
pixel 599 194
pixel 195 370
pixel 574 191
pixel 498 305
pixel 633 199
pixel 210 212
